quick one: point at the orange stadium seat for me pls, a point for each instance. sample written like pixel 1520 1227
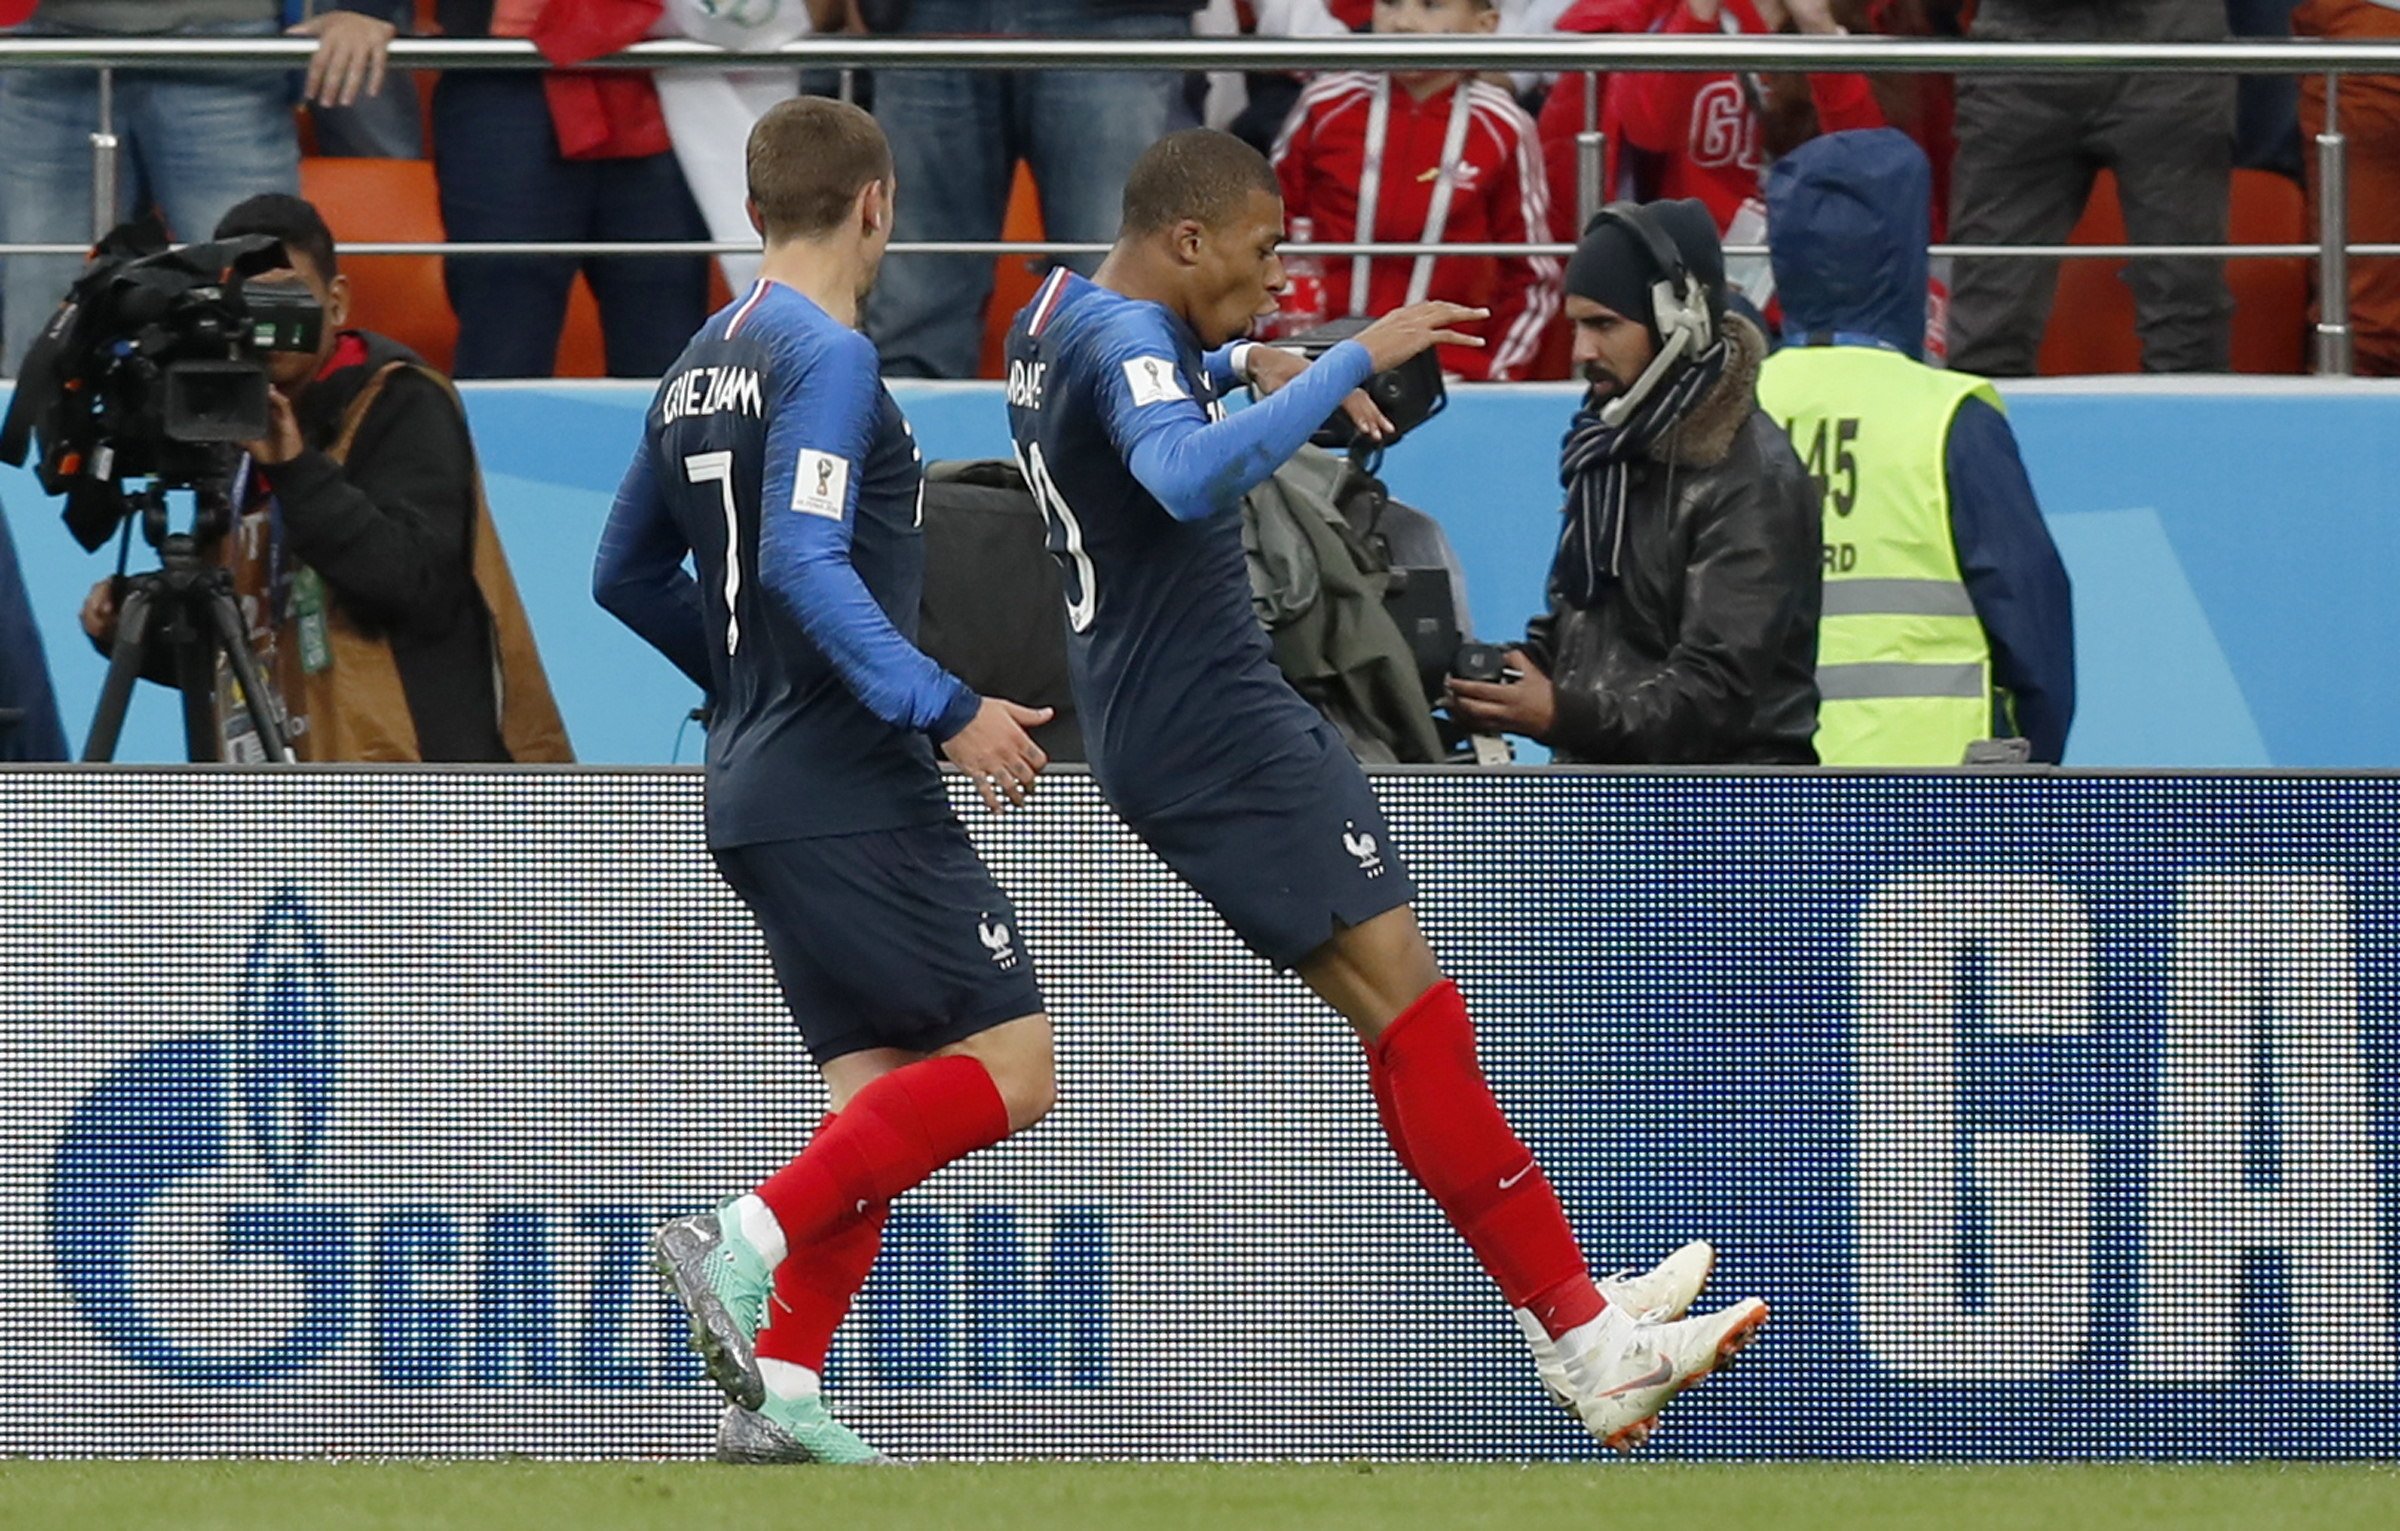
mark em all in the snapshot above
pixel 582 351
pixel 388 200
pixel 2092 323
pixel 1016 277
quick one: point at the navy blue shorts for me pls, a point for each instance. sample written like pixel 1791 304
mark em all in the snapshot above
pixel 1289 853
pixel 892 938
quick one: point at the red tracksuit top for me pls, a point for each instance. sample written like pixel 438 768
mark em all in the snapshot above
pixel 1701 125
pixel 1497 196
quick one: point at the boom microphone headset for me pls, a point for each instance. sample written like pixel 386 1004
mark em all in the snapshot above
pixel 1678 309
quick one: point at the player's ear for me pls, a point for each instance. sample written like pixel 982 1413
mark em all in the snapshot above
pixel 758 220
pixel 875 207
pixel 1189 237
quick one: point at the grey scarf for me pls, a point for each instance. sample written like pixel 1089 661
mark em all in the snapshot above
pixel 1595 467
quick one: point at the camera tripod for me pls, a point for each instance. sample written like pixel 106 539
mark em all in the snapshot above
pixel 187 603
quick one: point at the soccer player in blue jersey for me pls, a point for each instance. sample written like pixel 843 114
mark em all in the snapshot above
pixel 773 457
pixel 1234 780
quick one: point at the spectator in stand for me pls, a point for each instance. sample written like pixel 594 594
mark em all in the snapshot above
pixel 1712 136
pixel 560 156
pixel 957 135
pixel 1580 100
pixel 2370 118
pixel 191 144
pixel 2028 147
pixel 2266 118
pixel 1252 106
pixel 359 107
pixel 1427 155
pixel 1924 106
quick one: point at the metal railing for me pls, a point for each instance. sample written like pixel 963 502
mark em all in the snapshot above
pixel 1564 53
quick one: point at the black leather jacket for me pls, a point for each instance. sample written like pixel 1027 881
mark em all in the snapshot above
pixel 1705 653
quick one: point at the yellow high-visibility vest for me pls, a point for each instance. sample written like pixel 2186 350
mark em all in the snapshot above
pixel 1903 667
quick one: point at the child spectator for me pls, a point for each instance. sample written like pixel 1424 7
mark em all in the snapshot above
pixel 1427 155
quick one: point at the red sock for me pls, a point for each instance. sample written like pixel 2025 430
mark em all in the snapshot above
pixel 893 1134
pixel 1379 1082
pixel 1450 1134
pixel 814 1287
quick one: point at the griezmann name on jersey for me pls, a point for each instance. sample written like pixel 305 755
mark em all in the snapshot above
pixel 774 456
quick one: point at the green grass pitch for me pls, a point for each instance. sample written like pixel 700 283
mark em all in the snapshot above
pixel 593 1496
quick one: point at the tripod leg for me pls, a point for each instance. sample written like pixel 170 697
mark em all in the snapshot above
pixel 124 668
pixel 196 684
pixel 265 712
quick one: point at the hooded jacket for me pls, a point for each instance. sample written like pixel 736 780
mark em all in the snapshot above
pixel 1705 650
pixel 1849 213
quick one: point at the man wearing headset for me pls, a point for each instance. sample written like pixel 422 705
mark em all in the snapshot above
pixel 1682 627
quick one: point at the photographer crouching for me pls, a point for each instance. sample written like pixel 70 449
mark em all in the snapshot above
pixel 1684 596
pixel 364 559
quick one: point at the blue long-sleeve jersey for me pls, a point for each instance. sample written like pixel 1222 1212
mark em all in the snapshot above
pixel 774 458
pixel 1140 475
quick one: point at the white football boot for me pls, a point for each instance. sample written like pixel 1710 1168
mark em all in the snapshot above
pixel 1665 1291
pixel 1621 1372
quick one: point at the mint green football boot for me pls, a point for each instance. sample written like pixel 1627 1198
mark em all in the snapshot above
pixel 792 1430
pixel 724 1283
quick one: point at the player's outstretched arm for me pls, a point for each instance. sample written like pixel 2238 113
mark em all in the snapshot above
pixel 1196 468
pixel 817 442
pixel 638 575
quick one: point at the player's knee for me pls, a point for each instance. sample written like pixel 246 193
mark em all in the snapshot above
pixel 1027 1081
pixel 1029 1094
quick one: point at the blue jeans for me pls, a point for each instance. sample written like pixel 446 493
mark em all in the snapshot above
pixel 495 156
pixel 192 145
pixel 956 139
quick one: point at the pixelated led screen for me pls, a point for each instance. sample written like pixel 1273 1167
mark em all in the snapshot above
pixel 2052 1116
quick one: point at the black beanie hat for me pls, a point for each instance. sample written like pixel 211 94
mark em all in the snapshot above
pixel 1613 267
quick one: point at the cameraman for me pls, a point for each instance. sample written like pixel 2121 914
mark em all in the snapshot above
pixel 364 556
pixel 1684 596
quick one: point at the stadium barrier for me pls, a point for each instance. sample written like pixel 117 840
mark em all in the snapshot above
pixel 2056 1117
pixel 2332 247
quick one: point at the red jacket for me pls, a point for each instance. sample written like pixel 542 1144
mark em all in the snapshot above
pixel 1497 196
pixel 599 114
pixel 1700 127
pixel 1563 111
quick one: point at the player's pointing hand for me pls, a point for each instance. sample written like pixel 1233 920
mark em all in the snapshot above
pixel 998 753
pixel 1404 332
pixel 1270 368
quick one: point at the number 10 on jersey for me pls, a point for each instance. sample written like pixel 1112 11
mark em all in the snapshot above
pixel 1066 538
